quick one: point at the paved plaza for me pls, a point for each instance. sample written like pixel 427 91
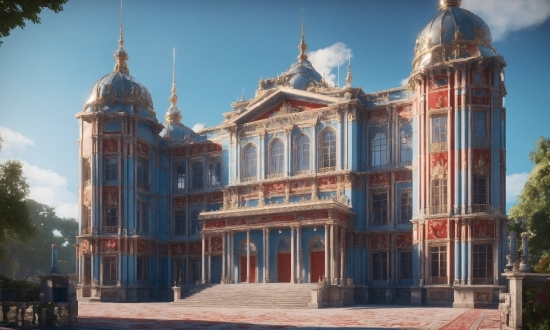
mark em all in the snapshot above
pixel 93 315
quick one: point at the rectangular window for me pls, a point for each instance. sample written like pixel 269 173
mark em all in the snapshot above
pixel 110 168
pixel 143 174
pixel 179 222
pixel 110 266
pixel 438 265
pixel 110 223
pixel 180 176
pixel 480 124
pixel 439 134
pixel 143 217
pixel 87 276
pixel 482 264
pixel 198 175
pixel 380 266
pixel 439 196
pixel 195 225
pixel 379 208
pixel 214 173
pixel 405 265
pixel 142 268
pixel 179 271
pixel 480 190
pixel 405 207
pixel 195 269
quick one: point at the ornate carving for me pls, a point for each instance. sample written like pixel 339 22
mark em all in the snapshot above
pixel 439 171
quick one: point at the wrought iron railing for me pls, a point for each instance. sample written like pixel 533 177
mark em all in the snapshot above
pixel 249 179
pixel 327 169
pixel 275 175
pixel 109 229
pixel 437 280
pixel 480 281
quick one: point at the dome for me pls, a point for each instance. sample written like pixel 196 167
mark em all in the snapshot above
pixel 455 33
pixel 119 92
pixel 300 75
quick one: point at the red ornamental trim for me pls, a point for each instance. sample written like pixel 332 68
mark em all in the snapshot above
pixel 109 245
pixel 180 202
pixel 275 188
pixel 178 249
pixel 180 152
pixel 195 248
pixel 403 240
pixel 110 145
pixel 382 179
pixel 196 150
pixel 215 197
pixel 216 242
pixel 437 229
pixel 300 185
pixel 213 147
pixel 214 224
pixel 403 176
pixel 313 215
pixel 378 241
pixel 142 149
pixel 328 181
pixel 196 199
pixel 484 228
pixel 142 246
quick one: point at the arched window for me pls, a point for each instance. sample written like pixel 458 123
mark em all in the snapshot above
pixel 283 245
pixel 250 158
pixel 302 154
pixel 405 144
pixel 378 146
pixel 328 151
pixel 276 158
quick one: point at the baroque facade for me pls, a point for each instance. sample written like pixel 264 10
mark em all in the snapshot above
pixel 399 193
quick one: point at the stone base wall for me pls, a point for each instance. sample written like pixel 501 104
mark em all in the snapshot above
pixel 124 294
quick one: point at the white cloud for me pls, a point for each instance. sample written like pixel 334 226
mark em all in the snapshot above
pixel 13 141
pixel 404 81
pixel 46 186
pixel 505 16
pixel 327 59
pixel 514 184
pixel 198 127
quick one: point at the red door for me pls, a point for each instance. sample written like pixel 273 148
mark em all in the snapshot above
pixel 252 269
pixel 283 267
pixel 317 261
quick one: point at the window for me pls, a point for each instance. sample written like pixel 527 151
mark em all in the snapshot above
pixel 405 207
pixel 439 134
pixel 179 222
pixel 214 173
pixel 378 149
pixel 405 265
pixel 438 265
pixel 480 124
pixel 483 264
pixel 439 196
pixel 480 190
pixel 110 168
pixel 198 175
pixel 180 177
pixel 379 266
pixel 195 225
pixel 195 269
pixel 250 164
pixel 302 154
pixel 328 151
pixel 87 276
pixel 276 158
pixel 142 217
pixel 179 271
pixel 143 174
pixel 405 139
pixel 142 268
pixel 110 266
pixel 110 220
pixel 379 208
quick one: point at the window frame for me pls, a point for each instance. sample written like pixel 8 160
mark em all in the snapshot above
pixel 438 195
pixel 249 166
pixel 327 148
pixel 402 269
pixel 142 173
pixel 195 222
pixel 438 274
pixel 142 217
pixel 183 225
pixel 378 152
pixel 276 162
pixel 181 176
pixel 383 211
pixel 439 140
pixel 405 129
pixel 488 268
pixel 301 154
pixel 142 268
pixel 408 212
pixel 379 273
pixel 216 162
pixel 197 181
pixel 109 272
pixel 110 170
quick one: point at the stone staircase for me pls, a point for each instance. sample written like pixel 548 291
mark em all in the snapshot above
pixel 257 295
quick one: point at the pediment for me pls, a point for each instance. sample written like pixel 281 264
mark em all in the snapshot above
pixel 281 101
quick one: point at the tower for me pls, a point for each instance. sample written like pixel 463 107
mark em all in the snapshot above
pixel 459 160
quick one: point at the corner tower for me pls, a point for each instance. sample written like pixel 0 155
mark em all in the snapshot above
pixel 459 161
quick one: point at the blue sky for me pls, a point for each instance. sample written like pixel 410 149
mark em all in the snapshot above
pixel 223 47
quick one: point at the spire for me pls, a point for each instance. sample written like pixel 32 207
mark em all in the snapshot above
pixel 120 54
pixel 173 115
pixel 349 78
pixel 302 47
pixel 444 4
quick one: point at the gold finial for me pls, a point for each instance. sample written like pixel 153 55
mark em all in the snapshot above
pixel 349 78
pixel 444 4
pixel 174 114
pixel 120 54
pixel 302 47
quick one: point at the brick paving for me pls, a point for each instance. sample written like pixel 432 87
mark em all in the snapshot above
pixel 93 315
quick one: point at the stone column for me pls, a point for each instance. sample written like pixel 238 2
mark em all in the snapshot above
pixel 231 258
pixel 267 254
pixel 468 254
pixel 248 256
pixel 209 259
pixel 203 271
pixel 292 257
pixel 334 279
pixel 264 255
pixel 298 255
pixel 327 274
pixel 342 257
pixel 224 259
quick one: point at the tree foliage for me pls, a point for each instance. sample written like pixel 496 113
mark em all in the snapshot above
pixel 27 260
pixel 13 13
pixel 533 205
pixel 15 222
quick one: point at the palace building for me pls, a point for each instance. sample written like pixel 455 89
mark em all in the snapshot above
pixel 398 194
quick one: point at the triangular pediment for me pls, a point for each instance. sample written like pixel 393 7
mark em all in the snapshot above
pixel 279 102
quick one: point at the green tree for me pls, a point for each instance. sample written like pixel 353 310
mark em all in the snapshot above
pixel 15 222
pixel 27 260
pixel 13 13
pixel 533 205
